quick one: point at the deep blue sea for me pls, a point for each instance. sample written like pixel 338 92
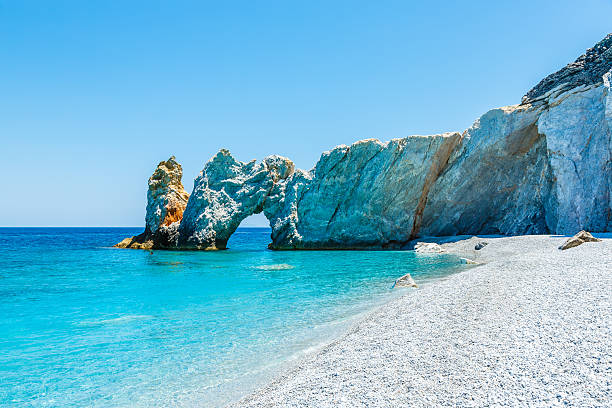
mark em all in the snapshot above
pixel 84 324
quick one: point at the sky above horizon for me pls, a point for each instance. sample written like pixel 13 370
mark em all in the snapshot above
pixel 95 94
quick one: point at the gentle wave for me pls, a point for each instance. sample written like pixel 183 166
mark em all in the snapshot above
pixel 275 267
pixel 116 320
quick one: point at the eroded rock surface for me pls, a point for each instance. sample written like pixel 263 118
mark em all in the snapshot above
pixel 588 69
pixel 226 192
pixel 544 166
pixel 579 239
pixel 367 195
pixel 166 202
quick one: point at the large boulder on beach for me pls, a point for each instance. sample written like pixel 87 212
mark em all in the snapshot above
pixel 428 248
pixel 578 239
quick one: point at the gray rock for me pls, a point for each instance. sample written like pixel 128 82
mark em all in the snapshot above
pixel 497 181
pixel 586 70
pixel 480 245
pixel 226 192
pixel 578 132
pixel 367 195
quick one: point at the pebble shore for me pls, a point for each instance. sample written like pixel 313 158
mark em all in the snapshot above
pixel 530 326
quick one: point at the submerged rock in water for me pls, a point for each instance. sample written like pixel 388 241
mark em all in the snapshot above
pixel 541 167
pixel 578 239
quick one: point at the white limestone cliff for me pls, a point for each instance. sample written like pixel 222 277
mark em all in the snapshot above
pixel 544 166
pixel 226 192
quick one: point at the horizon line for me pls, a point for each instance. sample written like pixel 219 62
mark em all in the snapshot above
pixel 90 226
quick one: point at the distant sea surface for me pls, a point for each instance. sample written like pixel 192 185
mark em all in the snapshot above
pixel 85 324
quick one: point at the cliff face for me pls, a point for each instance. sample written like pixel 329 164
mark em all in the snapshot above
pixel 370 194
pixel 544 166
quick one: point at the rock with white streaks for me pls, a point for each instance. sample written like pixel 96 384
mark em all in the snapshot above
pixel 496 182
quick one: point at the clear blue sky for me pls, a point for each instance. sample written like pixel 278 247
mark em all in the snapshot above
pixel 93 94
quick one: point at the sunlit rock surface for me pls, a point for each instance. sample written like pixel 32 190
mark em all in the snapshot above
pixel 577 126
pixel 496 181
pixel 166 201
pixel 544 166
pixel 226 192
pixel 367 195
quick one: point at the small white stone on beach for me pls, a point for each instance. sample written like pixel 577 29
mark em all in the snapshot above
pixel 405 281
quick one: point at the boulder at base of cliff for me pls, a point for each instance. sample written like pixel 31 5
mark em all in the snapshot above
pixel 428 248
pixel 137 242
pixel 579 239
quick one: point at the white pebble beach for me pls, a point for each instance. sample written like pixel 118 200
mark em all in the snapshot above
pixel 530 326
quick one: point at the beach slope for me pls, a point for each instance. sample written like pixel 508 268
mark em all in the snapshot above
pixel 532 326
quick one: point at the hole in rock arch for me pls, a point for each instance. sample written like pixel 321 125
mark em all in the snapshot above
pixel 252 233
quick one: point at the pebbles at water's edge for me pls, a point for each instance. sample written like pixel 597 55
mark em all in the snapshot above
pixel 531 326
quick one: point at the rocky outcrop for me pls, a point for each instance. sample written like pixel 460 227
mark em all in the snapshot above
pixel 480 245
pixel 367 195
pixel 578 131
pixel 544 166
pixel 587 70
pixel 226 192
pixel 166 202
pixel 579 239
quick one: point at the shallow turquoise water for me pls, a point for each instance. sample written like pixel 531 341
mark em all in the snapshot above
pixel 83 324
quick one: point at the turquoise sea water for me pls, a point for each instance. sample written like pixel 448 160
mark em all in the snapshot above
pixel 84 324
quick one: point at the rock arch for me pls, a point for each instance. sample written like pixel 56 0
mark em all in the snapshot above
pixel 225 193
